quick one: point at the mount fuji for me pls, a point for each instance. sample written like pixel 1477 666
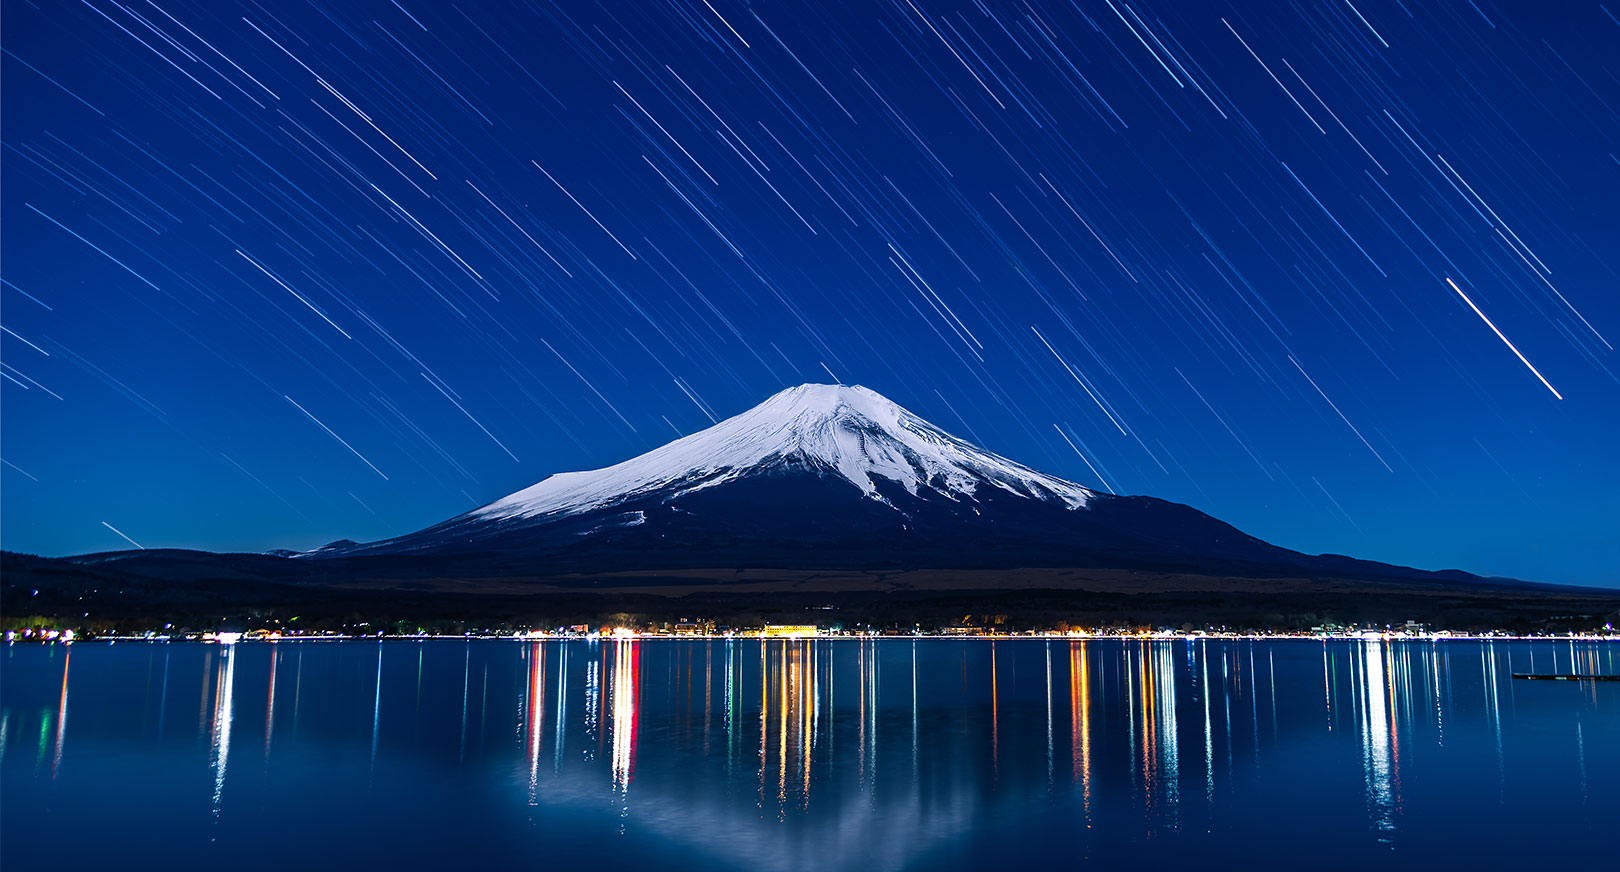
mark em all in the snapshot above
pixel 821 497
pixel 822 477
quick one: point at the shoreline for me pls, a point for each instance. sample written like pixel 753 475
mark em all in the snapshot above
pixel 232 639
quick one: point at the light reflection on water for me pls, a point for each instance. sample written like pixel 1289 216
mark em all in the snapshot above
pixel 887 754
pixel 220 727
pixel 1380 747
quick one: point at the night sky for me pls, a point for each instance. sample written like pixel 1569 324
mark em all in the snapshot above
pixel 1340 273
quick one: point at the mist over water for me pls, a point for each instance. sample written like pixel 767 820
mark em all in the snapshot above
pixel 887 755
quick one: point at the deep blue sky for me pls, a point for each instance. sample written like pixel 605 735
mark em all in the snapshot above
pixel 280 273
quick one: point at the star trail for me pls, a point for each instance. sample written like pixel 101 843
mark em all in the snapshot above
pixel 1340 273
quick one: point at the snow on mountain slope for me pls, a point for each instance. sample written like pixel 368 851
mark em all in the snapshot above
pixel 822 476
pixel 852 432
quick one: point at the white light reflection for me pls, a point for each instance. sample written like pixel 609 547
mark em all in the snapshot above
pixel 1209 738
pixel 223 711
pixel 731 703
pixel 915 749
pixel 593 702
pixel 1049 760
pixel 1158 753
pixel 1167 733
pixel 376 711
pixel 1493 710
pixel 466 684
pixel 560 739
pixel 270 705
pixel 1379 742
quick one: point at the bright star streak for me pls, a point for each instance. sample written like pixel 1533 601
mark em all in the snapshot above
pixel 1504 339
pixel 121 533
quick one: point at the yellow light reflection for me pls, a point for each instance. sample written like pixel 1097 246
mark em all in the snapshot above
pixel 61 715
pixel 789 691
pixel 1080 722
pixel 995 717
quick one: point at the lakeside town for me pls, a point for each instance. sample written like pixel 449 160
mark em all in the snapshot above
pixel 698 629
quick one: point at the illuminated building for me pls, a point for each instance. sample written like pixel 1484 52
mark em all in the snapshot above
pixel 790 631
pixel 694 627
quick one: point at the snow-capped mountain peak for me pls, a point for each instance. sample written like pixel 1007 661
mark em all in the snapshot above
pixel 819 476
pixel 848 431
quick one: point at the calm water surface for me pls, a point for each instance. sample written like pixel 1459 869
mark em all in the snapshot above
pixel 894 754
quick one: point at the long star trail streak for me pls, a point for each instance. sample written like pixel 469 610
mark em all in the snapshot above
pixel 340 439
pixel 671 136
pixel 301 297
pixel 1078 380
pixel 1505 341
pixel 122 536
pixel 470 417
pixel 9 332
pixel 1336 411
pixel 30 66
pixel 583 209
pixel 1084 459
pixel 98 248
pixel 520 229
pixel 1274 78
pixel 1150 221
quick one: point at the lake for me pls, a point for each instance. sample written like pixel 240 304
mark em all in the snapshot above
pixel 832 754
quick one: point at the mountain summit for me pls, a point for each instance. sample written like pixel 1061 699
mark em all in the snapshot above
pixel 852 433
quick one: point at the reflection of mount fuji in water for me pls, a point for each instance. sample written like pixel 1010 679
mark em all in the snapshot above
pixel 822 476
pixel 895 754
pixel 822 755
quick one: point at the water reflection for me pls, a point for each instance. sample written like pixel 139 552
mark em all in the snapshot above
pixel 220 726
pixel 1152 676
pixel 1380 744
pixel 535 713
pixel 626 666
pixel 830 753
pixel 1493 710
pixel 376 708
pixel 789 708
pixel 561 737
pixel 61 714
pixel 270 703
pixel 1080 723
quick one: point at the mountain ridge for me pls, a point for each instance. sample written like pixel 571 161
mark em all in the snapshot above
pixel 817 476
pixel 834 477
pixel 847 432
